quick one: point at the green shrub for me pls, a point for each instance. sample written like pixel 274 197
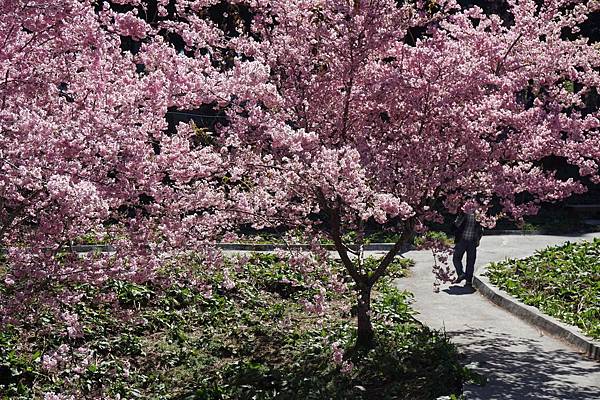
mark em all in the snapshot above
pixel 252 341
pixel 562 281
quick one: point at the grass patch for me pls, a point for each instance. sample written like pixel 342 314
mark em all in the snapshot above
pixel 251 340
pixel 562 281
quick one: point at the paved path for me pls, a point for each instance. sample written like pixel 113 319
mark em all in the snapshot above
pixel 519 361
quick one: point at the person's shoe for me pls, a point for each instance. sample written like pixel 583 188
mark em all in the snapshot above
pixel 459 278
pixel 469 282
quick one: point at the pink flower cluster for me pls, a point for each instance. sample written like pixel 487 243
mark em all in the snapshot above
pixel 338 359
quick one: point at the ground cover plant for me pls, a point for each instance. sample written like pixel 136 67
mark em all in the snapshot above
pixel 562 281
pixel 248 337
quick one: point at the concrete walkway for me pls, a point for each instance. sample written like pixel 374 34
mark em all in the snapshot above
pixel 519 361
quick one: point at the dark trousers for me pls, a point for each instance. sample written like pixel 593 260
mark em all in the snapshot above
pixel 460 248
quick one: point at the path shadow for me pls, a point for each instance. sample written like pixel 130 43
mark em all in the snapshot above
pixel 519 369
pixel 459 290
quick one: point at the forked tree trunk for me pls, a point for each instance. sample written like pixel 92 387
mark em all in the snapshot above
pixel 364 280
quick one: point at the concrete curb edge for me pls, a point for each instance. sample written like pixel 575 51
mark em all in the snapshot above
pixel 87 248
pixel 533 316
pixel 276 246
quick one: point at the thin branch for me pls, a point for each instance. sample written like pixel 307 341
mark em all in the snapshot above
pixel 336 235
pixel 5 93
pixel 10 31
pixel 501 62
pixel 407 235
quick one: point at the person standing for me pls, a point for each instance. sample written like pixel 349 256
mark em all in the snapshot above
pixel 468 234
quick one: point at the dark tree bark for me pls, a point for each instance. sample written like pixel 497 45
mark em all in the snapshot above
pixel 363 280
pixel 365 334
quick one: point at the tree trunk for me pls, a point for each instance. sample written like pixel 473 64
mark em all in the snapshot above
pixel 365 335
pixel 364 280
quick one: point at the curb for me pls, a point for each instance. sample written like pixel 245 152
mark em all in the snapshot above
pixel 493 232
pixel 533 316
pixel 87 248
pixel 276 246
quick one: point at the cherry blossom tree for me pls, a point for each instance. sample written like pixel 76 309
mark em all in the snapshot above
pixel 85 146
pixel 393 114
pixel 337 114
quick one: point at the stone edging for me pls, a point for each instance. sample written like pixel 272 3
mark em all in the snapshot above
pixel 276 246
pixel 107 248
pixel 533 316
pixel 87 248
pixel 496 232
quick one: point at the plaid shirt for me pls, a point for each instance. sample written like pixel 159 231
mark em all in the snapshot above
pixel 472 230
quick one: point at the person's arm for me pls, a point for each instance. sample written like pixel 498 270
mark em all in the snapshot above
pixel 460 219
pixel 479 228
pixel 457 225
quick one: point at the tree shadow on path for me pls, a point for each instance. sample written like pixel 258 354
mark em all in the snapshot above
pixel 518 368
pixel 459 290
